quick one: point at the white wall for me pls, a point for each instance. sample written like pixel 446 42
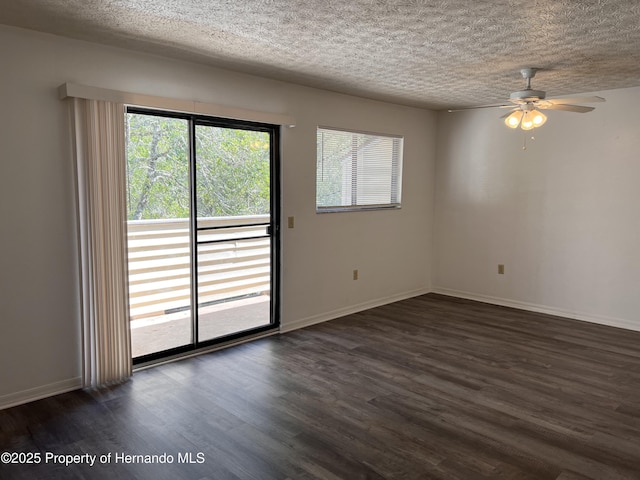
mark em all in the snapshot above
pixel 39 320
pixel 562 216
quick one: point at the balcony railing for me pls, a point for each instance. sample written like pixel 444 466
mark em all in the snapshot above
pixel 159 264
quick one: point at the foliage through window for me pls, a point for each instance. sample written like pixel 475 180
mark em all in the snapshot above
pixel 232 177
pixel 357 171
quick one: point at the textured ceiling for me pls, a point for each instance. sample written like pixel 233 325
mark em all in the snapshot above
pixel 435 54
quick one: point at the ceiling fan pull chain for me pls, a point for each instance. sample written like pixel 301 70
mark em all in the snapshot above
pixel 524 141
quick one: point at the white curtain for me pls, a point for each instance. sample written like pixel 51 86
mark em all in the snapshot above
pixel 98 131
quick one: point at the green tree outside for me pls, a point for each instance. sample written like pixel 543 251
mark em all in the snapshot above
pixel 232 169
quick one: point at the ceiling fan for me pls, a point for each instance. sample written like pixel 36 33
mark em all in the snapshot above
pixel 526 104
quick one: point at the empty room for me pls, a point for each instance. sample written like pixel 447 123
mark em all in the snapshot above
pixel 280 240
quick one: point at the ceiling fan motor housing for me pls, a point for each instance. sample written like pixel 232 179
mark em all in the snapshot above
pixel 528 95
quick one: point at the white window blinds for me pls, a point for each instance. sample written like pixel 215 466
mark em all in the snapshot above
pixel 357 170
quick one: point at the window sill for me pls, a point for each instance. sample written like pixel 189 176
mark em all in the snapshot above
pixel 359 208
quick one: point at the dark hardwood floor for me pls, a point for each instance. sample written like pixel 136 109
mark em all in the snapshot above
pixel 431 387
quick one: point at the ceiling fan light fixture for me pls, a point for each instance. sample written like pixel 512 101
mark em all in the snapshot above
pixel 513 120
pixel 527 121
pixel 538 118
pixel 527 118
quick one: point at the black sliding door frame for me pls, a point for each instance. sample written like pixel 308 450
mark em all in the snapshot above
pixel 272 229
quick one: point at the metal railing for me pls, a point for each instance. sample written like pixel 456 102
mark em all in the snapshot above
pixel 159 263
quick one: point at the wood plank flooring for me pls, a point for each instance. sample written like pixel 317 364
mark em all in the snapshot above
pixel 428 388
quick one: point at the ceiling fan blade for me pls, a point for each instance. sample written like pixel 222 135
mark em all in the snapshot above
pixel 572 100
pixel 461 109
pixel 567 108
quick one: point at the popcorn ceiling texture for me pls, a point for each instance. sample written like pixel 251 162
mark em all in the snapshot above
pixel 434 54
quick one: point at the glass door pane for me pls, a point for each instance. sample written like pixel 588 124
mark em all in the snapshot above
pixel 158 206
pixel 233 219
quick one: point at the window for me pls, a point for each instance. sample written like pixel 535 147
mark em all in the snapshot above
pixel 357 171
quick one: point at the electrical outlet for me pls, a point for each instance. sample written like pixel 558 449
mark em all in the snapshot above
pixel 290 222
pixel 355 274
pixel 500 269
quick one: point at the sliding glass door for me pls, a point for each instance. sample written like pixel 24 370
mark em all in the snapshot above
pixel 158 232
pixel 203 231
pixel 233 229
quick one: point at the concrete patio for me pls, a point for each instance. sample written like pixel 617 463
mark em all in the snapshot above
pixel 155 334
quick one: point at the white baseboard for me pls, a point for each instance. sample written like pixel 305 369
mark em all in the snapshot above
pixel 37 393
pixel 341 312
pixel 532 307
